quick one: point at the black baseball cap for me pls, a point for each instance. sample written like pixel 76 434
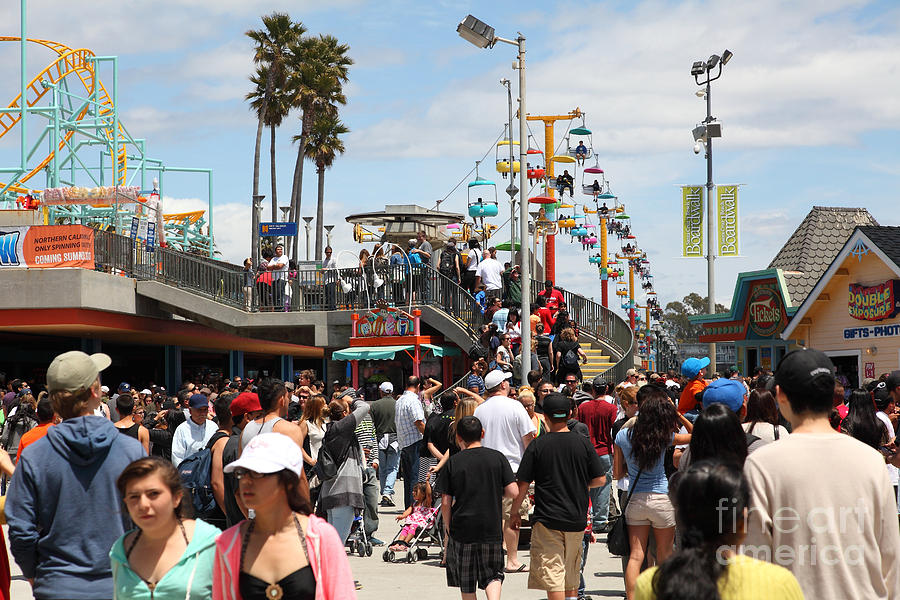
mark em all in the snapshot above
pixel 882 391
pixel 804 371
pixel 600 382
pixel 557 406
pixel 893 381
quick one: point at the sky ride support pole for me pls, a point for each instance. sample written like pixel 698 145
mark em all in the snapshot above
pixel 525 271
pixel 549 240
pixel 604 265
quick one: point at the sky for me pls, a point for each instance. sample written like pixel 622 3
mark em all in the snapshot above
pixel 808 104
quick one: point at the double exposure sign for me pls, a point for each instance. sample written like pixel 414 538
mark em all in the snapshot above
pixel 875 302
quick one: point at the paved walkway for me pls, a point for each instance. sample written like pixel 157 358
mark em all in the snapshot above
pixel 402 581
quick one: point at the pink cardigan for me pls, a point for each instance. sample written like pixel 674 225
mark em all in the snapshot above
pixel 327 557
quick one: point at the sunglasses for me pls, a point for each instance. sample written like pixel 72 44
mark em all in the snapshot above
pixel 571 381
pixel 304 396
pixel 241 473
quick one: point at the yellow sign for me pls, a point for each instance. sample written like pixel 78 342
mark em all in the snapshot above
pixel 692 220
pixel 727 204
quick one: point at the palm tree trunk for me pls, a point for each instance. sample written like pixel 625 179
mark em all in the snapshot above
pixel 296 195
pixel 320 210
pixel 254 247
pixel 272 166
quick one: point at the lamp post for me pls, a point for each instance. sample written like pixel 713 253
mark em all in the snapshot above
pixel 703 136
pixel 482 35
pixel 328 229
pixel 308 228
pixel 256 212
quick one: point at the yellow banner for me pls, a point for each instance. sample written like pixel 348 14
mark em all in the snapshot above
pixel 692 221
pixel 727 205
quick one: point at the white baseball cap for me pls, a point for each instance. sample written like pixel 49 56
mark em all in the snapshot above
pixel 269 453
pixel 146 392
pixel 387 387
pixel 75 370
pixel 495 378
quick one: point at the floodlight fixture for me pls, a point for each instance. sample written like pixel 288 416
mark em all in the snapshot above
pixel 712 62
pixel 476 32
pixel 698 68
pixel 726 56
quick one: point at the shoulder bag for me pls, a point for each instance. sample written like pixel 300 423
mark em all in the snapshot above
pixel 617 539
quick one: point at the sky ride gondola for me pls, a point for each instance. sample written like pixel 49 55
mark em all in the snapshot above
pixel 482 206
pixel 535 170
pixel 580 151
pixel 503 161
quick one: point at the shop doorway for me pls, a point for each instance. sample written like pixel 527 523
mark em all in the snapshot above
pixel 846 368
pixel 752 359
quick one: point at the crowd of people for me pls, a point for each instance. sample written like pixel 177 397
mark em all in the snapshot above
pixel 254 488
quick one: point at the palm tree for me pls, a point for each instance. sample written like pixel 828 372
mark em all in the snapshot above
pixel 322 146
pixel 271 46
pixel 276 109
pixel 319 69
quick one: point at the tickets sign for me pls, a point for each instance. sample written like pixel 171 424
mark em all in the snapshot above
pixel 874 302
pixel 47 246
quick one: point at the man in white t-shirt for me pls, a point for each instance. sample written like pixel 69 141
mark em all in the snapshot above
pixel 822 504
pixel 279 267
pixel 507 429
pixel 490 273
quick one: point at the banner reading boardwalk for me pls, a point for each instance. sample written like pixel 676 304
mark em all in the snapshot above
pixel 47 246
pixel 727 204
pixel 692 220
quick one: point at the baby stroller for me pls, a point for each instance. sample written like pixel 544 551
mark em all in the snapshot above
pixel 358 541
pixel 430 536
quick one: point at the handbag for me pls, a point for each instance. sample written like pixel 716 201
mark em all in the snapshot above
pixel 617 539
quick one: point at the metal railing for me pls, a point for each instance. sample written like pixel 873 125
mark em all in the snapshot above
pixel 598 322
pixel 307 289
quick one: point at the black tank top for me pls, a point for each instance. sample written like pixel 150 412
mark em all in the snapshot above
pixel 299 585
pixel 131 432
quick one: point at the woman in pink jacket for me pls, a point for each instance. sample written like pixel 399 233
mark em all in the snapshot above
pixel 283 551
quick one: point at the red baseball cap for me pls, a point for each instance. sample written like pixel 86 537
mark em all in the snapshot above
pixel 244 403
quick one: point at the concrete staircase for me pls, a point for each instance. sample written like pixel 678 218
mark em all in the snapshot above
pixel 599 359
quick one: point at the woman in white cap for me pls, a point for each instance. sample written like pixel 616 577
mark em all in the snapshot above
pixel 283 551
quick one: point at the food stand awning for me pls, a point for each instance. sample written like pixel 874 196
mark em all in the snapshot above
pixel 369 352
pixel 441 350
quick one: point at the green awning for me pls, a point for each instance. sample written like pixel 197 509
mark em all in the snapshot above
pixel 441 350
pixel 369 352
pixel 505 246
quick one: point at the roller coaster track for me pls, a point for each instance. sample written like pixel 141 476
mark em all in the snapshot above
pixel 68 62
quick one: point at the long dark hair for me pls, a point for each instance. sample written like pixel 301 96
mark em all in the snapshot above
pixel 718 434
pixel 761 408
pixel 861 422
pixel 297 500
pixel 712 498
pixel 652 432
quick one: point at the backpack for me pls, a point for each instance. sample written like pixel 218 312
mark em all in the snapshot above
pixel 570 358
pixel 195 472
pixel 447 266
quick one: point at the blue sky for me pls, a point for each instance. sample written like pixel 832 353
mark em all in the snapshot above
pixel 809 106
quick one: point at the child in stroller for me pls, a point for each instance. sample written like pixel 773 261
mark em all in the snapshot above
pixel 420 528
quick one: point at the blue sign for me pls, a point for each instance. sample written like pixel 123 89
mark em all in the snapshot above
pixel 277 229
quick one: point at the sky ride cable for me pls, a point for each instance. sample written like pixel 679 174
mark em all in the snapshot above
pixel 472 170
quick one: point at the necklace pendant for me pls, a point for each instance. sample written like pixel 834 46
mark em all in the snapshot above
pixel 274 592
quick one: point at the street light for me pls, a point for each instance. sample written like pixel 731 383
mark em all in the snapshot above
pixel 256 212
pixel 308 229
pixel 328 229
pixel 703 136
pixel 482 35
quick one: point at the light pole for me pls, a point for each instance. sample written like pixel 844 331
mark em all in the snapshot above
pixel 256 211
pixel 308 229
pixel 511 189
pixel 482 35
pixel 703 136
pixel 328 229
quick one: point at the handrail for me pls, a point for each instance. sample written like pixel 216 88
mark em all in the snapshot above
pixel 309 289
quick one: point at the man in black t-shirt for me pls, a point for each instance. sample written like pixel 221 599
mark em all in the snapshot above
pixel 474 483
pixel 563 466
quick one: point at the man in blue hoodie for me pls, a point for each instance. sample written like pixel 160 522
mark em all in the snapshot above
pixel 63 510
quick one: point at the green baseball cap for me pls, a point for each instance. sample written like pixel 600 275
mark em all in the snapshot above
pixel 75 370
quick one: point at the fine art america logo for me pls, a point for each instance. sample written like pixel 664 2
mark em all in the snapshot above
pixel 765 312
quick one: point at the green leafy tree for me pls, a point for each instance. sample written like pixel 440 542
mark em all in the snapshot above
pixel 675 318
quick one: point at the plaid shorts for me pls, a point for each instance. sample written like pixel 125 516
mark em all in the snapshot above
pixel 475 563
